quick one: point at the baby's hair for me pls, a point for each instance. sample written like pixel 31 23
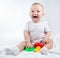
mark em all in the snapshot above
pixel 37 4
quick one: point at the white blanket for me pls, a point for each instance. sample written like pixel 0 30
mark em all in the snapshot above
pixel 55 52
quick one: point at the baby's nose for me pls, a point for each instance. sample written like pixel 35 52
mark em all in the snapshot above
pixel 35 12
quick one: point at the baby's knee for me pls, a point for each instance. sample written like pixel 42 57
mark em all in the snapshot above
pixel 51 41
pixel 23 43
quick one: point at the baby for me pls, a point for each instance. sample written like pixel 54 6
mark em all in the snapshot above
pixel 35 30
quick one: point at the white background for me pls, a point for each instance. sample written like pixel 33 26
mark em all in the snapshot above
pixel 15 13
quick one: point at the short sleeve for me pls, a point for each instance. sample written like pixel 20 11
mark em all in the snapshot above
pixel 46 27
pixel 26 26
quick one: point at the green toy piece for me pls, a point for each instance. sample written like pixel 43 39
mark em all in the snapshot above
pixel 29 49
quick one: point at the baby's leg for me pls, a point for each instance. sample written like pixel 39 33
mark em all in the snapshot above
pixel 46 47
pixel 15 50
pixel 21 45
pixel 49 45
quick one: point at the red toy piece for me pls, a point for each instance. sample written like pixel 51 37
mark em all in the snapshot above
pixel 38 44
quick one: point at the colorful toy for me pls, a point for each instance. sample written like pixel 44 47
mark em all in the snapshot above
pixel 37 49
pixel 38 46
pixel 29 49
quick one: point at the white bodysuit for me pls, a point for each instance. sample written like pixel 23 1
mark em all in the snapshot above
pixel 37 30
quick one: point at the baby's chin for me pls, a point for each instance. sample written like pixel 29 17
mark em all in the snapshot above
pixel 35 20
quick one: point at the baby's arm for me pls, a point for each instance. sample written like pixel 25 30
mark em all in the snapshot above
pixel 47 35
pixel 27 38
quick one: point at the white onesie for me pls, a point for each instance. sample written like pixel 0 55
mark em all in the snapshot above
pixel 37 30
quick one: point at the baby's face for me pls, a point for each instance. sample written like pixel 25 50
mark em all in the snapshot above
pixel 36 12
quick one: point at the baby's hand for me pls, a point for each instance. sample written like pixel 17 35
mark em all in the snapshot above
pixel 45 40
pixel 29 45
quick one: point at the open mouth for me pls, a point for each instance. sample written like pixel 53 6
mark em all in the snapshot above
pixel 35 16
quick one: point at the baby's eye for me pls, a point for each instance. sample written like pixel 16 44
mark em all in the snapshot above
pixel 32 11
pixel 38 11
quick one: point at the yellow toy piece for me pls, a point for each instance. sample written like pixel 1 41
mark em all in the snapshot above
pixel 37 49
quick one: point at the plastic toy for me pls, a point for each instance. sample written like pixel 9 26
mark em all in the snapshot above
pixel 36 48
pixel 29 49
pixel 38 44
